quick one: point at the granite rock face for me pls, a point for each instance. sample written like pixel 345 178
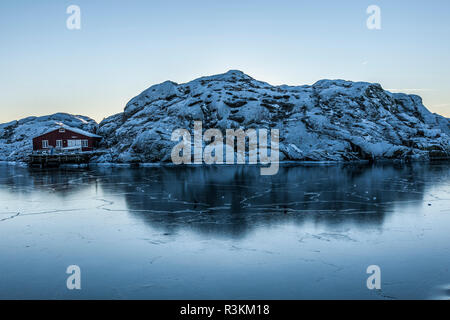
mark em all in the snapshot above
pixel 332 120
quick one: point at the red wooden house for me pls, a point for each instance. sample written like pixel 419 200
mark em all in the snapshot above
pixel 64 138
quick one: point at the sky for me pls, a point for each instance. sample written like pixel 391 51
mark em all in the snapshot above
pixel 124 47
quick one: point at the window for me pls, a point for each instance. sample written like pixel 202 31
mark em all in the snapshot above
pixel 62 130
pixel 74 143
pixel 85 143
pixel 59 143
pixel 44 144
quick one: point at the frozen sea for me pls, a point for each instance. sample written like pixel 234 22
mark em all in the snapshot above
pixel 226 232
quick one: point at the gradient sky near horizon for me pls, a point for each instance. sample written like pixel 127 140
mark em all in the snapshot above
pixel 124 47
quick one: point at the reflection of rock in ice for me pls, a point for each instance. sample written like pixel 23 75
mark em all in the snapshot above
pixel 232 200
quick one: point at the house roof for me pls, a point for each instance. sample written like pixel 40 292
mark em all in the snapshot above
pixel 76 130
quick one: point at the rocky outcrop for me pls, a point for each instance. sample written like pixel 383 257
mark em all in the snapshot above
pixel 333 120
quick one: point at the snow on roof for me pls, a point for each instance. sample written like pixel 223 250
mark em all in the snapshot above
pixel 76 130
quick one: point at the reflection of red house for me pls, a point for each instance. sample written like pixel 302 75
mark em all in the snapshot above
pixel 64 137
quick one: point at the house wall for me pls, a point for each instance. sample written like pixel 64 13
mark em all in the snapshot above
pixel 51 137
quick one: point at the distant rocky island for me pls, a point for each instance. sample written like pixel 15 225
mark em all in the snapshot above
pixel 331 120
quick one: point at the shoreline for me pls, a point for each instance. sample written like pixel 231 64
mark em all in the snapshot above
pixel 282 163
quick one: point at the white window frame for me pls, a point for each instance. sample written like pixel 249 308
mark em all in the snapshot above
pixel 62 130
pixel 44 144
pixel 85 143
pixel 59 143
pixel 74 143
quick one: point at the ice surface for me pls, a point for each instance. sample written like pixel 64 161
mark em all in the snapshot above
pixel 226 232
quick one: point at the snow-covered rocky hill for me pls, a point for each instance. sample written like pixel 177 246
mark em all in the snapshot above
pixel 330 120
pixel 16 136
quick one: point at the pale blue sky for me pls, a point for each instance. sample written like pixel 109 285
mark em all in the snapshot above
pixel 123 47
